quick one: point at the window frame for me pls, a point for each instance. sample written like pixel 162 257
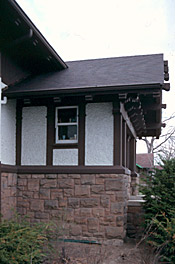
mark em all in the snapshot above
pixel 57 124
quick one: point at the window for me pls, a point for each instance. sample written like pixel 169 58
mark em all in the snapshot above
pixel 66 124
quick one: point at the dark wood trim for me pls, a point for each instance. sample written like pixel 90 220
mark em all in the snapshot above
pixel 65 169
pixel 65 146
pixel 106 90
pixel 9 168
pixel 50 132
pixel 81 134
pixel 124 138
pixel 127 119
pixel 132 155
pixel 117 134
pixel 18 131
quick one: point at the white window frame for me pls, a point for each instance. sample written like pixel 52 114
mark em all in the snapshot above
pixel 57 124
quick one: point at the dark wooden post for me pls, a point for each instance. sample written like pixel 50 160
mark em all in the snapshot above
pixel 132 165
pixel 117 134
pixel 18 131
pixel 124 144
pixel 81 135
pixel 50 132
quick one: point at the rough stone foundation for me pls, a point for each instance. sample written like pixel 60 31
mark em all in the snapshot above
pixel 92 206
pixel 135 217
pixel 8 194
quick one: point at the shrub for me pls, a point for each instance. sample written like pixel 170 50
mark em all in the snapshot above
pixel 21 242
pixel 159 196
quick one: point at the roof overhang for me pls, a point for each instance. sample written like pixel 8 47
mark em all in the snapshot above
pixel 23 44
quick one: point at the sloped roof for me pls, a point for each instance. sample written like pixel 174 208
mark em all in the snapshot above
pixel 23 45
pixel 146 160
pixel 107 72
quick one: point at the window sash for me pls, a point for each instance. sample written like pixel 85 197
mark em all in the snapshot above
pixel 62 124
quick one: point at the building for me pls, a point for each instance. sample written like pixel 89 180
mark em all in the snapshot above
pixel 69 129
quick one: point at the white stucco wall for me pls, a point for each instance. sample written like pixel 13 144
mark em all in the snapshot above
pixel 65 157
pixel 34 133
pixel 99 134
pixel 8 132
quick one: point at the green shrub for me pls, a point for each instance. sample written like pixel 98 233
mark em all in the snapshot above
pixel 159 206
pixel 21 242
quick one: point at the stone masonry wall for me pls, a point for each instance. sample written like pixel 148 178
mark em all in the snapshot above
pixel 93 206
pixel 8 194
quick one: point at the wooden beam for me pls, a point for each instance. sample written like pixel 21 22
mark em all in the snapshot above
pixel 50 132
pixel 81 134
pixel 127 119
pixel 117 134
pixel 18 131
pixel 124 138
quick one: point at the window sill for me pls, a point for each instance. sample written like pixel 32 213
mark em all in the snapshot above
pixel 65 145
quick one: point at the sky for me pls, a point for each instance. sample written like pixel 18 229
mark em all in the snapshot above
pixel 90 29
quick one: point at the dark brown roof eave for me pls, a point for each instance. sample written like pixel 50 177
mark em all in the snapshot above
pixel 37 32
pixel 144 88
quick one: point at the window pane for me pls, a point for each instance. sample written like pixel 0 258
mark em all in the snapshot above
pixel 67 133
pixel 67 115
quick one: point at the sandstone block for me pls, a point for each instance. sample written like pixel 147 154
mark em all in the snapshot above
pixel 56 193
pixel 24 176
pixel 62 202
pixel 99 180
pixel 66 183
pixel 68 192
pixel 98 212
pixel 117 208
pixel 113 185
pixel 92 224
pixel 35 195
pixel 74 176
pixel 114 232
pixel 22 182
pixel 73 202
pixel 41 215
pixel 97 189
pixel 12 179
pixel 77 181
pixel 23 204
pixel 88 179
pixel 44 193
pixel 80 220
pixel 33 184
pixel 51 176
pixel 50 204
pixel 75 230
pixel 82 190
pixel 105 201
pixel 37 205
pixel 28 194
pixel 38 176
pixel 48 183
pixel 86 212
pixel 89 202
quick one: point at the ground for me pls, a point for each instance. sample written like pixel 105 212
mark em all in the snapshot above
pixel 79 253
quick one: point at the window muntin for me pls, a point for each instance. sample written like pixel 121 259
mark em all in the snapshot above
pixel 66 124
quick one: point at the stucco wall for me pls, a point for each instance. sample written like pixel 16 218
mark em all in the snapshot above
pixel 34 125
pixel 8 132
pixel 65 157
pixel 99 134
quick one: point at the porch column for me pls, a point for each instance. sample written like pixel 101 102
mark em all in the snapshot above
pixel 117 134
pixel 124 144
pixel 132 154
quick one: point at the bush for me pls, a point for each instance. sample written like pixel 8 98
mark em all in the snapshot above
pixel 21 242
pixel 159 206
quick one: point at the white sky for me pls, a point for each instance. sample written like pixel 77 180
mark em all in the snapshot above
pixel 89 29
